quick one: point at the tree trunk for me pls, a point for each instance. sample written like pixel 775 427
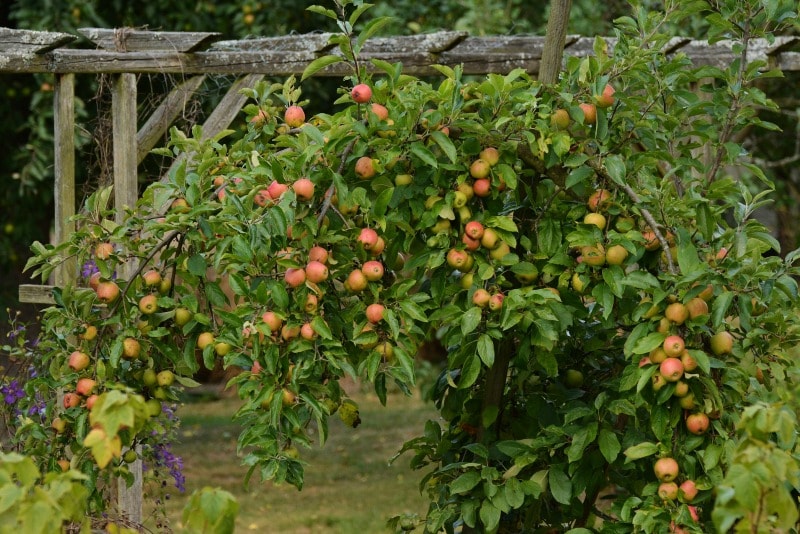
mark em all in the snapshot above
pixel 553 53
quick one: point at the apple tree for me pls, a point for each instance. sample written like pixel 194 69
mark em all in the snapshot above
pixel 621 330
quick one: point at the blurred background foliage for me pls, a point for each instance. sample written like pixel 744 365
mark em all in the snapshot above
pixel 26 201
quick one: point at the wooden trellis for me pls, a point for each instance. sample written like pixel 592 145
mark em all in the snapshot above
pixel 125 53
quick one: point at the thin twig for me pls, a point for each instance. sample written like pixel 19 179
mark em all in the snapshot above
pixel 326 204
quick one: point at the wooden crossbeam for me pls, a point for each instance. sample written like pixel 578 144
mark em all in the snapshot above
pixel 134 40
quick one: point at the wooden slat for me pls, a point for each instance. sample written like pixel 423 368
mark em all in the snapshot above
pixel 309 42
pixel 160 120
pixel 481 55
pixel 31 42
pixel 133 40
pixel 36 294
pixel 64 168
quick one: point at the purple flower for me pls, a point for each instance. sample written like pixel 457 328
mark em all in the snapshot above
pixel 89 268
pixel 165 458
pixel 12 392
pixel 12 336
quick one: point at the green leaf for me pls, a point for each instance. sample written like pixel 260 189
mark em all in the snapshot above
pixel 422 152
pixel 321 327
pixel 580 440
pixel 470 371
pixel 641 450
pixel 372 27
pixel 486 349
pixel 560 485
pixel 470 320
pixel 319 64
pixel 197 265
pixel 609 445
pixel 446 145
pixel 578 176
pixel 616 168
pixel 649 342
pixel 465 482
pixel 490 516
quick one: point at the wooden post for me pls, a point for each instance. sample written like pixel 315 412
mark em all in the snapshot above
pixel 553 53
pixel 126 192
pixel 64 126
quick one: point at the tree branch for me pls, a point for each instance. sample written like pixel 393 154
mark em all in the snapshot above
pixel 555 40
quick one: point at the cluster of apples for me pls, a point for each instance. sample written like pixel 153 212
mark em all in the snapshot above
pixel 667 471
pixel 560 119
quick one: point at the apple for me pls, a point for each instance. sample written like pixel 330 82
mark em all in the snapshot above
pixel 559 120
pixel 490 155
pixel 721 343
pixel 677 313
pixel 500 251
pixel 671 369
pixel 307 332
pixel 403 179
pixel 319 254
pixel 666 469
pixel 294 116
pixel 303 189
pixel 262 198
pixel 287 397
pixel 441 226
pixel 645 361
pixel 576 283
pixel 600 200
pixel 356 281
pixel 589 113
pixel 71 400
pixel 573 378
pixel 164 286
pixel 373 270
pixel 380 111
pixel 657 355
pixel 295 277
pixel 63 464
pixel 272 320
pixel 693 513
pixel 103 251
pixel 59 425
pixel 276 189
pixel 222 348
pixel 205 339
pixel 367 238
pixel 107 292
pixel 130 348
pixel 365 167
pixel 479 169
pixel 674 346
pixel 84 386
pixel 165 378
pixel 482 187
pixel 689 362
pixel 596 219
pixel 151 278
pixel 361 93
pixel 688 491
pixel 594 256
pixel 182 316
pixel 386 350
pixel 481 297
pixel 378 248
pixel 148 304
pixel 316 272
pixel 697 307
pixel 149 377
pixel 474 229
pixel 707 293
pixel 375 312
pixel 616 255
pixel 606 98
pixel 94 280
pixel 681 388
pixel 490 239
pixel 651 241
pixel 457 259
pixel 658 381
pixel 288 333
pixel 687 402
pixel 697 423
pixel 78 361
pixel 668 491
pixel 496 301
pixel 311 304
pixel 179 205
pixel 469 243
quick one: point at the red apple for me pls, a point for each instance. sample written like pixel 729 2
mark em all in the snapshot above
pixel 78 361
pixel 688 491
pixel 295 277
pixel 600 200
pixel 356 281
pixel 304 189
pixel 307 332
pixel 589 113
pixel 319 254
pixel 474 229
pixel 671 369
pixel 367 238
pixel 697 423
pixel 606 98
pixel 316 272
pixel 674 346
pixel 365 168
pixel 481 297
pixel 469 243
pixel 482 187
pixel 457 259
pixel 103 251
pixel 380 111
pixel 148 304
pixel 294 116
pixel 107 292
pixel 85 386
pixel 151 278
pixel 479 168
pixel 490 155
pixel 375 312
pixel 272 321
pixel 90 401
pixel 276 189
pixel 373 270
pixel 361 93
pixel 71 400
pixel 496 301
pixel 666 469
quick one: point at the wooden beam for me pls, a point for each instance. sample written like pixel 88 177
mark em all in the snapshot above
pixel 133 40
pixel 36 294
pixel 33 42
pixel 64 169
pixel 166 113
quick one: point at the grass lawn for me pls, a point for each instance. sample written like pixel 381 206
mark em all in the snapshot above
pixel 349 485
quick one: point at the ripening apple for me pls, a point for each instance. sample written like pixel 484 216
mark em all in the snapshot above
pixel 303 189
pixel 272 320
pixel 205 339
pixel 380 111
pixel 697 423
pixel 294 116
pixel 600 200
pixel 687 402
pixel 469 243
pixel 316 272
pixel 103 251
pixel 616 255
pixel 165 378
pixel 149 378
pixel 276 189
pixel 319 254
pixel 148 304
pixel 365 167
pixel 559 120
pixel 482 187
pixel 71 400
pixel 668 491
pixel 671 369
pixel 367 238
pixel 589 113
pixel 674 346
pixel 386 350
pixel 373 270
pixel 479 169
pixel 221 348
pixel 130 348
pixel 490 155
pixel 677 313
pixel 721 343
pixel 658 382
pixel 311 304
pixel 457 259
pixel 59 425
pixel 89 332
pixel 78 361
pixel 597 219
pixel 307 332
pixel 481 297
pixel 151 278
pixel 500 251
pixel 361 93
pixel 84 386
pixel 593 255
pixel 696 307
pixel 375 313
pixel 356 281
pixel 107 292
pixel 689 362
pixel 294 277
pixel 490 239
pixel 179 205
pixel 606 98
pixel 666 469
pixel 474 229
pixel 688 490
pixel 182 317
pixel 681 389
pixel 496 301
pixel 403 179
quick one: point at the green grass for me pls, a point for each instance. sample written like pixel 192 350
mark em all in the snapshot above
pixel 349 484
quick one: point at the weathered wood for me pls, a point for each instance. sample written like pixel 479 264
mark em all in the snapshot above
pixel 553 53
pixel 500 54
pixel 31 42
pixel 133 40
pixel 36 294
pixel 160 120
pixel 309 42
pixel 64 169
